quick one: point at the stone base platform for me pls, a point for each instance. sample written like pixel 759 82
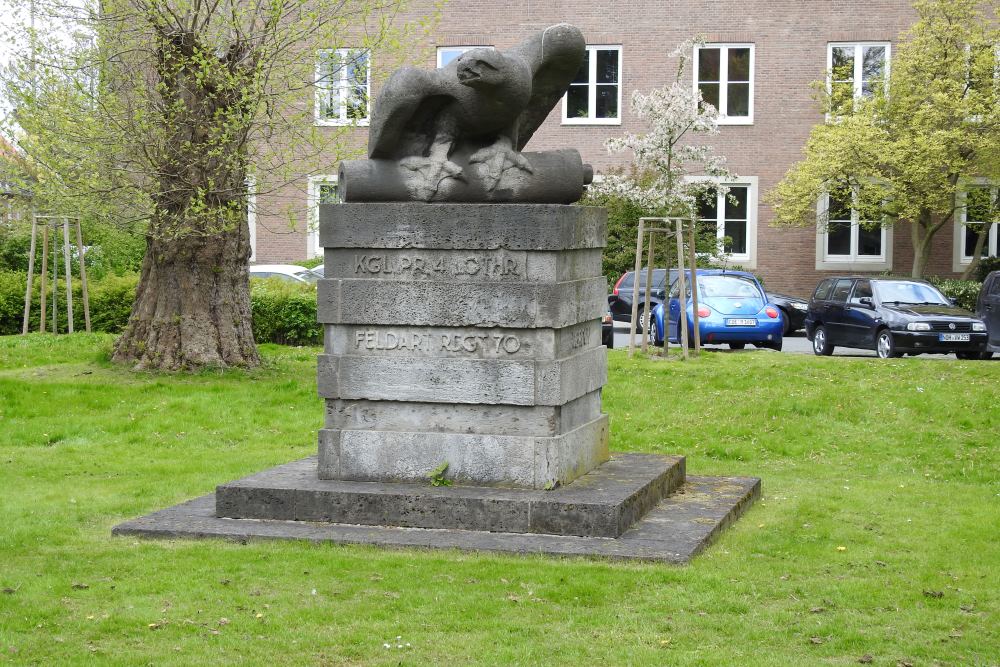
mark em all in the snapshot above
pixel 636 506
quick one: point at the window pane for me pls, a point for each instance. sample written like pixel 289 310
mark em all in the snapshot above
pixel 739 64
pixel 842 289
pixel 576 102
pixel 709 93
pixel 977 205
pixel 824 289
pixel 607 102
pixel 838 238
pixel 842 62
pixel 872 62
pixel 583 75
pixel 739 99
pixel 708 64
pixel 707 206
pixel 971 235
pixel 736 203
pixel 736 231
pixel 328 193
pixel 870 241
pixel 607 66
pixel 862 290
pixel 840 207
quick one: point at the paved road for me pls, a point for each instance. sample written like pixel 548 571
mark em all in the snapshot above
pixel 797 343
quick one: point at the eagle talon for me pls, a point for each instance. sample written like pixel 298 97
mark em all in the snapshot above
pixel 496 160
pixel 428 175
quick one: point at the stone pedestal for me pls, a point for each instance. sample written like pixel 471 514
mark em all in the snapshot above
pixel 466 334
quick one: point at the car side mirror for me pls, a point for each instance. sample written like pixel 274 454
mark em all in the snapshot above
pixel 866 301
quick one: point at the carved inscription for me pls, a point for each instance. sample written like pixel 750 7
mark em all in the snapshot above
pixel 580 338
pixel 488 266
pixel 494 343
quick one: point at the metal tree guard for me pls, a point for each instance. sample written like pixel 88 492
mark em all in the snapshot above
pixel 677 233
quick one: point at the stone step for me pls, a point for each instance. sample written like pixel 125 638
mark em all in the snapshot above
pixel 603 503
pixel 674 531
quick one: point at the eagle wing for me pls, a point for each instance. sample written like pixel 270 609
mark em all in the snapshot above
pixel 554 57
pixel 406 103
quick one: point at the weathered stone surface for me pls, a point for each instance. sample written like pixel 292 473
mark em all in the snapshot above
pixel 462 226
pixel 482 459
pixel 674 531
pixel 445 380
pixel 537 420
pixel 500 265
pixel 603 503
pixel 513 305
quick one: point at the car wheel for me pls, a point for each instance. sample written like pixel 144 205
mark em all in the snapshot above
pixel 651 334
pixel 776 345
pixel 970 356
pixel 737 346
pixel 985 356
pixel 885 345
pixel 643 323
pixel 821 346
pixel 786 322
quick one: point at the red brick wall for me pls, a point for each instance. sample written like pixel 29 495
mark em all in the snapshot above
pixel 790 38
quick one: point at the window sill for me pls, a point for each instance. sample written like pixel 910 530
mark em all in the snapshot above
pixel 748 120
pixel 860 264
pixel 592 121
pixel 341 123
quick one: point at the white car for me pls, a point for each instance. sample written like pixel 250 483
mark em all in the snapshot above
pixel 289 272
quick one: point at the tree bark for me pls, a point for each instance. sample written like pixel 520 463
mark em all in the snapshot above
pixel 192 305
pixel 977 253
pixel 922 236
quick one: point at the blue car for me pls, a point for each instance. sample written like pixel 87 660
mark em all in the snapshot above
pixel 732 308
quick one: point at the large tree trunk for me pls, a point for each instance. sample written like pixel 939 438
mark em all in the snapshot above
pixel 192 305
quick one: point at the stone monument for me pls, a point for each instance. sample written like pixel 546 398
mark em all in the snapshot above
pixel 462 365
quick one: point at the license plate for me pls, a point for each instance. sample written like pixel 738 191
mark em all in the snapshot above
pixel 741 323
pixel 954 338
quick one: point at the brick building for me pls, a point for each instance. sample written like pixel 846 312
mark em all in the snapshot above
pixel 759 61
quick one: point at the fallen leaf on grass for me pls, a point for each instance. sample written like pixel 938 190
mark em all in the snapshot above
pixel 967 608
pixel 817 610
pixel 155 626
pixel 934 594
pixel 9 591
pixel 816 640
pixel 841 548
pixel 904 663
pixel 866 659
pixel 80 587
pixel 955 634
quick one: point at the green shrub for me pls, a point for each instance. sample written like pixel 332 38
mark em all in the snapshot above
pixel 986 266
pixel 963 292
pixel 284 312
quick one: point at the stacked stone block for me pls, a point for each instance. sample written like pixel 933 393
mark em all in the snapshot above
pixel 466 334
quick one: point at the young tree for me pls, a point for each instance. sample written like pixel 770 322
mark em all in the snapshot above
pixel 664 158
pixel 164 111
pixel 906 152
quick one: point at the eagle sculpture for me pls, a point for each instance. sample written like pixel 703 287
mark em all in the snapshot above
pixel 456 133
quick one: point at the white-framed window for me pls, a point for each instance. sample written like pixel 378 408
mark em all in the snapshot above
pixel 978 212
pixel 343 84
pixel 732 212
pixel 723 73
pixel 595 95
pixel 322 190
pixel 853 71
pixel 845 239
pixel 445 54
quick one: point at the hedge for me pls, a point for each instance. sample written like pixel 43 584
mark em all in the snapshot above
pixel 283 312
pixel 963 292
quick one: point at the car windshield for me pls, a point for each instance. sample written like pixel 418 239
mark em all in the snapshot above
pixel 307 276
pixel 906 291
pixel 727 286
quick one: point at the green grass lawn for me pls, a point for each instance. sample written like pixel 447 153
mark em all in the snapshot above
pixel 878 533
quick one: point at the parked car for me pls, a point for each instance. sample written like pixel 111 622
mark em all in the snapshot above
pixel 988 309
pixel 620 299
pixel 893 316
pixel 793 310
pixel 732 308
pixel 608 330
pixel 289 272
pixel 319 271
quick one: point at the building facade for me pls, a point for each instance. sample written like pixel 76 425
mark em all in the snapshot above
pixel 758 65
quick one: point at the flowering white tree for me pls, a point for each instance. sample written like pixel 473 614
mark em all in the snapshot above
pixel 665 156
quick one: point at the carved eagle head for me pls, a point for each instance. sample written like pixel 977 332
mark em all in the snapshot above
pixel 484 68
